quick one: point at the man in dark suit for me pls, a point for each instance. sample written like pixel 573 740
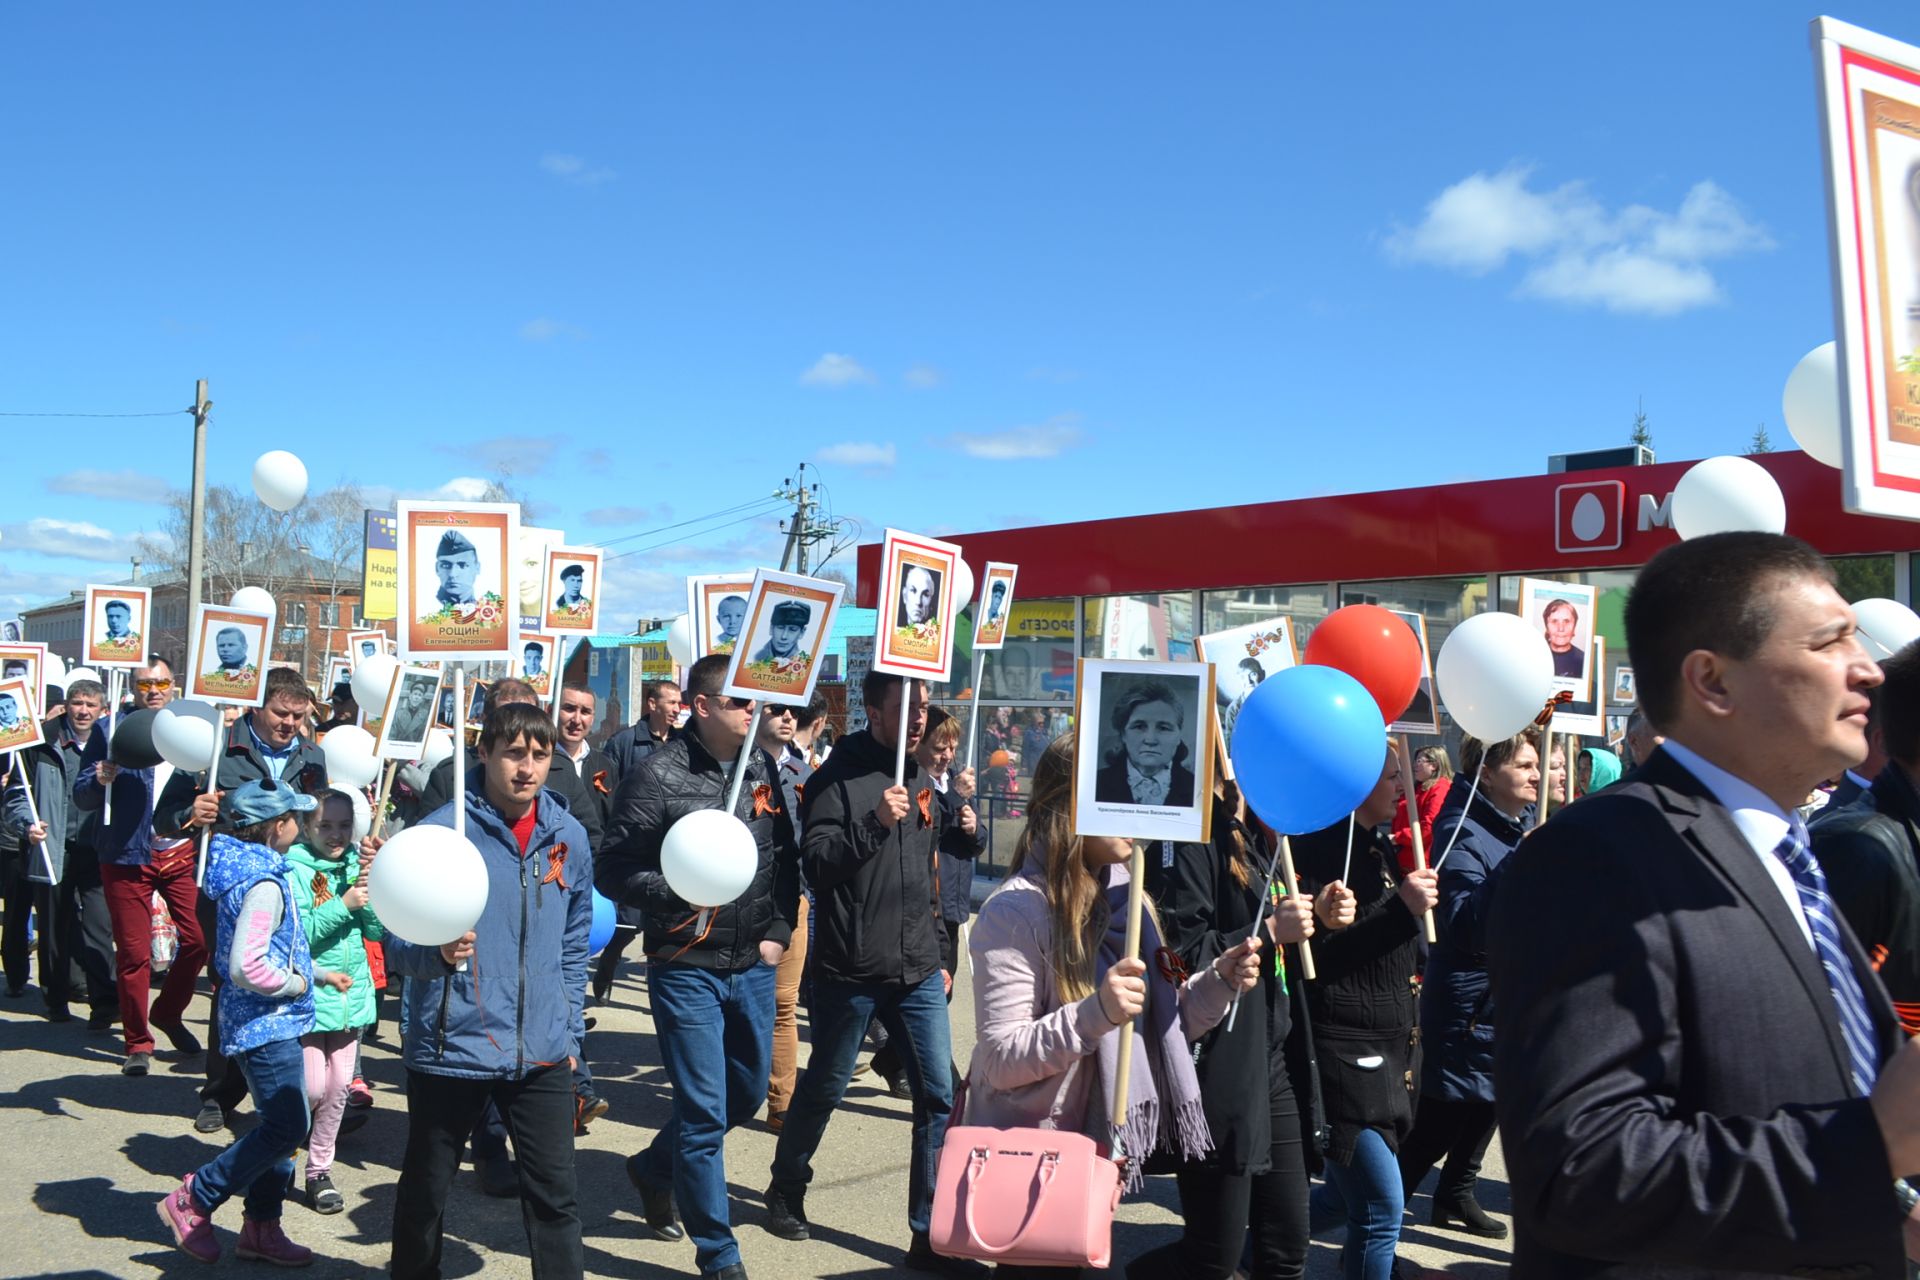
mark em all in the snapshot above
pixel 1696 1070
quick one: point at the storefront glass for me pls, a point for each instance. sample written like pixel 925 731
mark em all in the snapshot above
pixel 1443 603
pixel 1306 605
pixel 1156 628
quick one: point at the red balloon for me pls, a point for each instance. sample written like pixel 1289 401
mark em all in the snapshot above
pixel 1375 648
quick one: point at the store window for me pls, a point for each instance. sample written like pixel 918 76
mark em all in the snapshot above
pixel 1306 605
pixel 1156 628
pixel 1443 604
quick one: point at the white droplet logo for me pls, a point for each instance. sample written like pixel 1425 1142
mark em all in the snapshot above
pixel 1589 518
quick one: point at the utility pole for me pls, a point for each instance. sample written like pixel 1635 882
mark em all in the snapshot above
pixel 197 513
pixel 802 532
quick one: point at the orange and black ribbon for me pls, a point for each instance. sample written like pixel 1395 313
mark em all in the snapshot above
pixel 1554 703
pixel 926 806
pixel 763 802
pixel 322 889
pixel 556 866
pixel 1172 966
pixel 600 783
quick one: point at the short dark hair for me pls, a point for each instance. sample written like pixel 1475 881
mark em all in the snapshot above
pixel 654 688
pixel 1140 695
pixel 508 722
pixel 1712 592
pixel 1476 755
pixel 708 676
pixel 285 682
pixel 814 711
pixel 579 686
pixel 874 688
pixel 512 689
pixel 1898 701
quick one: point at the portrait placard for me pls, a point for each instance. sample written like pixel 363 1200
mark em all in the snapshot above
pixel 572 575
pixel 917 607
pixel 533 544
pixel 457 580
pixel 116 626
pixel 1139 770
pixel 1423 713
pixel 364 644
pixel 23 661
pixel 407 718
pixel 19 716
pixel 443 709
pixel 339 671
pixel 12 630
pixel 477 704
pixel 1564 611
pixel 1616 732
pixel 996 606
pixel 533 661
pixel 226 661
pixel 789 621
pixel 1625 692
pixel 1586 716
pixel 717 610
pixel 1241 657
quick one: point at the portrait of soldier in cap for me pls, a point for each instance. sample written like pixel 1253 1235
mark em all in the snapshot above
pixel 571 580
pixel 789 622
pixel 456 562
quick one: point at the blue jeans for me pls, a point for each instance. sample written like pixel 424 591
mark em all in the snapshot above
pixel 716 1041
pixel 261 1160
pixel 1367 1194
pixel 916 1019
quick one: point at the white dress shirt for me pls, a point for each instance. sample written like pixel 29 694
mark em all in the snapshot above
pixel 1758 819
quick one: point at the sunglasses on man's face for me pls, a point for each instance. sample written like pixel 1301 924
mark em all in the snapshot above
pixel 152 686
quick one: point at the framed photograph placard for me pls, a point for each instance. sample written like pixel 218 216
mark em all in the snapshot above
pixel 1586 716
pixel 25 661
pixel 572 577
pixel 1625 692
pixel 19 716
pixel 12 630
pixel 457 583
pixel 364 644
pixel 1563 611
pixel 917 607
pixel 1141 770
pixel 535 661
pixel 789 621
pixel 996 606
pixel 116 626
pixel 1423 713
pixel 477 703
pixel 226 661
pixel 1241 658
pixel 533 544
pixel 339 669
pixel 407 718
pixel 444 716
pixel 717 611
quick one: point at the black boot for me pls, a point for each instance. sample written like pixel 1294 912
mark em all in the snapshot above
pixel 656 1202
pixel 1466 1211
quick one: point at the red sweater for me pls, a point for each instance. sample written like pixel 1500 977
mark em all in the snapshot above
pixel 1430 801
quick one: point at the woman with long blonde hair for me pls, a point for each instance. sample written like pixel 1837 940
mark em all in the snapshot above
pixel 1051 988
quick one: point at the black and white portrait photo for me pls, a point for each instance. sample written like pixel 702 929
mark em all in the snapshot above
pixel 1144 764
pixel 789 620
pixel 116 622
pixel 12 631
pixel 227 658
pixel 458 580
pixel 572 576
pixel 443 717
pixel 408 717
pixel 1241 658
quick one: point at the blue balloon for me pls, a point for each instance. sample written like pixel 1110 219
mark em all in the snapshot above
pixel 605 917
pixel 1308 747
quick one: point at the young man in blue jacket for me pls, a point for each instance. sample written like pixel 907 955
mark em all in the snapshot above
pixel 506 1028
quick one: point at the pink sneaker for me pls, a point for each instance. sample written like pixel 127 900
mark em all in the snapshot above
pixel 268 1243
pixel 359 1094
pixel 191 1229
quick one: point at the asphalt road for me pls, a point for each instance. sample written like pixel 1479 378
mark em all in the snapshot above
pixel 85 1154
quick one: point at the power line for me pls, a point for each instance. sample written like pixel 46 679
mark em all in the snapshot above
pixel 167 414
pixel 711 515
pixel 700 533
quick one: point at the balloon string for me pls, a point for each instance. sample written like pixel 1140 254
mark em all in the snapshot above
pixel 1259 915
pixel 1472 791
pixel 1347 866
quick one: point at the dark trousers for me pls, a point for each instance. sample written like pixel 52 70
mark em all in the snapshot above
pixel 16 955
pixel 1458 1130
pixel 441 1112
pixel 886 1057
pixel 1217 1208
pixel 608 965
pixel 226 1082
pixel 76 935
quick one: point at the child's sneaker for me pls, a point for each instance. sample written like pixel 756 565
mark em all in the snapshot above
pixel 322 1197
pixel 358 1094
pixel 266 1242
pixel 191 1229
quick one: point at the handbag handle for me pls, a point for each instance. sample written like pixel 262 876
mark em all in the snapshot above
pixel 977 1165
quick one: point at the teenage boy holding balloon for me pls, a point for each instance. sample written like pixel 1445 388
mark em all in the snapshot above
pixel 506 1028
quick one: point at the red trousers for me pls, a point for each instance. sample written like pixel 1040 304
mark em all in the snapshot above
pixel 130 893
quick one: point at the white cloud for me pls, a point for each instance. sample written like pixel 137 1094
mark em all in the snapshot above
pixel 1041 440
pixel 463 489
pixel 575 169
pixel 72 538
pixel 121 486
pixel 546 329
pixel 922 377
pixel 835 370
pixel 860 453
pixel 1633 259
pixel 23 590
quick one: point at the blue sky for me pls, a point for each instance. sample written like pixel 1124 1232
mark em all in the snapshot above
pixel 982 265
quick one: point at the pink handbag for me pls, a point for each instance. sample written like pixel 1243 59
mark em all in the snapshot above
pixel 1034 1197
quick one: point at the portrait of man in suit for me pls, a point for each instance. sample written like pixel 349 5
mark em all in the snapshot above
pixel 416 701
pixel 1151 722
pixel 1697 1070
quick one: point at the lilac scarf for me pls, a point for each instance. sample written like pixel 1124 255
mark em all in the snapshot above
pixel 1163 1094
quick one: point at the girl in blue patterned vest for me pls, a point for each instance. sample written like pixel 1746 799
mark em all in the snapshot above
pixel 266 1005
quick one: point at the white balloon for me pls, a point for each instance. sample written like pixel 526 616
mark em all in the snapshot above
pixel 350 758
pixel 183 735
pixel 428 885
pixel 1725 495
pixel 680 640
pixel 255 600
pixel 1495 673
pixel 1811 404
pixel 439 747
pixel 83 673
pixel 362 810
pixel 280 479
pixel 1885 627
pixel 54 669
pixel 962 585
pixel 373 680
pixel 709 857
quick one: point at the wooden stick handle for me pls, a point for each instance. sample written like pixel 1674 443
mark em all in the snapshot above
pixel 1408 790
pixel 380 808
pixel 1136 885
pixel 1307 970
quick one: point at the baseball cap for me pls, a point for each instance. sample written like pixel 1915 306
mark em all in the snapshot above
pixel 262 799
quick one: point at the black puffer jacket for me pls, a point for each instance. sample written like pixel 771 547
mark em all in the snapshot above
pixel 678 779
pixel 877 905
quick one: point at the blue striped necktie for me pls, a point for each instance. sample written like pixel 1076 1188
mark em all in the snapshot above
pixel 1856 1025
